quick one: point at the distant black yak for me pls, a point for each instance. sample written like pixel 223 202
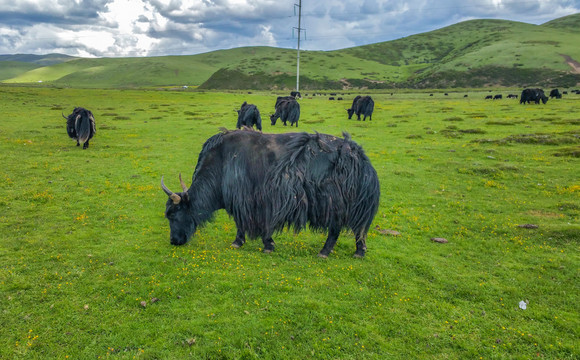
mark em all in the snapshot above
pixel 268 182
pixel 80 126
pixel 361 105
pixel 535 95
pixel 287 109
pixel 249 115
pixel 555 93
pixel 295 94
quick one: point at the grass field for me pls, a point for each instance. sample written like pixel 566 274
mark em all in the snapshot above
pixel 87 271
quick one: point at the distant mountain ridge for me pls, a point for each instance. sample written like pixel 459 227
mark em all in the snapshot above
pixel 475 53
pixel 42 60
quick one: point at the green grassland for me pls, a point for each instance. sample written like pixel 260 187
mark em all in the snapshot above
pixel 474 53
pixel 87 271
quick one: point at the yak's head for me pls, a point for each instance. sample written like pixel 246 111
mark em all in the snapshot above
pixel 273 119
pixel 350 112
pixel 178 211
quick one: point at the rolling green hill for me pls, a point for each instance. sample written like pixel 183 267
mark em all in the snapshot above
pixel 474 53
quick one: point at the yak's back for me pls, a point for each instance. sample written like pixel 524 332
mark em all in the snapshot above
pixel 270 181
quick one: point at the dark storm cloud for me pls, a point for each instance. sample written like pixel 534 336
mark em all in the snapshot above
pixel 23 13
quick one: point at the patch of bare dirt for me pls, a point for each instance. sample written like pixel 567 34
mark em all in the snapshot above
pixel 575 65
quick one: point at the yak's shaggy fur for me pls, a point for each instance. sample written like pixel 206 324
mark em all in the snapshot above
pixel 80 126
pixel 267 182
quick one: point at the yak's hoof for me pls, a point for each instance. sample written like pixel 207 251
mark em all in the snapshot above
pixel 237 244
pixel 322 256
pixel 267 251
pixel 359 255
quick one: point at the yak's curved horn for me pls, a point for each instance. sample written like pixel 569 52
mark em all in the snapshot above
pixel 167 191
pixel 183 186
pixel 176 198
pixel 64 116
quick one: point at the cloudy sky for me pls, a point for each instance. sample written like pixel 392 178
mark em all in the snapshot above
pixel 118 28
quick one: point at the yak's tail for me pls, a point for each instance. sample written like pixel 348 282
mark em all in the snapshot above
pixel 85 126
pixel 294 112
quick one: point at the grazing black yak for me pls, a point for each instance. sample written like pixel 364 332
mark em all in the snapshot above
pixel 361 105
pixel 287 109
pixel 555 93
pixel 535 95
pixel 267 182
pixel 249 115
pixel 80 126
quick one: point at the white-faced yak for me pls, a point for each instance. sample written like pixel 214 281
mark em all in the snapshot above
pixel 80 126
pixel 268 182
pixel 249 115
pixel 361 105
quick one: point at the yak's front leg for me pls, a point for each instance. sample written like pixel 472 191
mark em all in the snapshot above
pixel 268 244
pixel 361 246
pixel 330 242
pixel 240 239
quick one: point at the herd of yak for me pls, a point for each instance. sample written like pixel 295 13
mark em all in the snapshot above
pixel 269 182
pixel 532 95
pixel 287 109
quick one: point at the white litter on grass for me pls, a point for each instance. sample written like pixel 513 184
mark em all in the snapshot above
pixel 523 305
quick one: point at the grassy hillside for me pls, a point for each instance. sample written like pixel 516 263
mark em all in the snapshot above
pixel 11 69
pixel 510 53
pixel 474 53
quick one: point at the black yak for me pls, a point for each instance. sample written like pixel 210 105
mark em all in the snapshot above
pixel 249 115
pixel 295 94
pixel 268 182
pixel 287 109
pixel 361 105
pixel 555 93
pixel 535 95
pixel 80 126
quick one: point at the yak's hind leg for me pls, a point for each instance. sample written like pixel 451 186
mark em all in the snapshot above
pixel 268 244
pixel 240 239
pixel 86 145
pixel 78 143
pixel 330 242
pixel 361 246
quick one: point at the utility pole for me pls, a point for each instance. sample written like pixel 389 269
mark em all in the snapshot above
pixel 298 47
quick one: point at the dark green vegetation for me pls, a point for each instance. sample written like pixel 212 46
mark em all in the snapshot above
pixel 477 53
pixel 86 269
